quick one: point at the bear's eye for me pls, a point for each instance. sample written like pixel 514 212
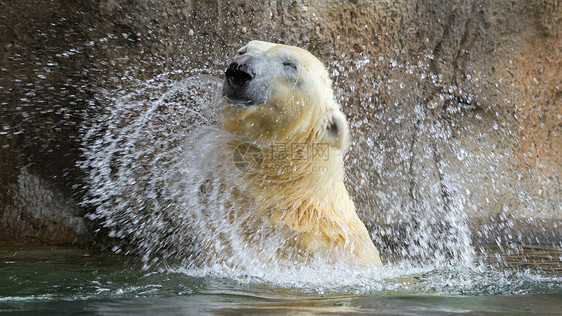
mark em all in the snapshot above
pixel 290 65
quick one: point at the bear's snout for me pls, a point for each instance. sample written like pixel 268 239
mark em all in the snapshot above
pixel 243 84
pixel 238 75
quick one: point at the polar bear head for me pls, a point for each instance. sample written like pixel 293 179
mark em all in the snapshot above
pixel 280 93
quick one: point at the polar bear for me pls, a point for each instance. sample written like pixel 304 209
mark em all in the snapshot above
pixel 278 102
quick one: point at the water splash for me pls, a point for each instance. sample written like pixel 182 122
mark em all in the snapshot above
pixel 132 152
pixel 160 181
pixel 412 198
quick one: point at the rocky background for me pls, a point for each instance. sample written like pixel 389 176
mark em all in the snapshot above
pixel 455 106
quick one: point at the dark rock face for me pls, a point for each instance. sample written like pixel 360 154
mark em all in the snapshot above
pixel 454 107
pixel 45 90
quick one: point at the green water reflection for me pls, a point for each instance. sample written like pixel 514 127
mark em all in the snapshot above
pixel 58 281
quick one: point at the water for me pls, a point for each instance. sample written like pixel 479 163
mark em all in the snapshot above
pixel 427 153
pixel 152 183
pixel 158 166
pixel 55 281
pixel 155 174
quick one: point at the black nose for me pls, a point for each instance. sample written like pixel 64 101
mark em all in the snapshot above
pixel 238 75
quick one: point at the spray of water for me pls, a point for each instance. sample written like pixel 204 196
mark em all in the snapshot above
pixel 162 181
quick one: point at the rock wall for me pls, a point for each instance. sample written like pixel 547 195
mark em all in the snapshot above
pixel 45 89
pixel 454 105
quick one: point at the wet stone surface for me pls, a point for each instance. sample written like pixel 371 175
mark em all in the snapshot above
pixel 454 109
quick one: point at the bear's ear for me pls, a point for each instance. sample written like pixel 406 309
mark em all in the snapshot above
pixel 336 131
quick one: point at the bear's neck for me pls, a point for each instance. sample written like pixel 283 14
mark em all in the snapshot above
pixel 303 176
pixel 304 193
pixel 298 162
